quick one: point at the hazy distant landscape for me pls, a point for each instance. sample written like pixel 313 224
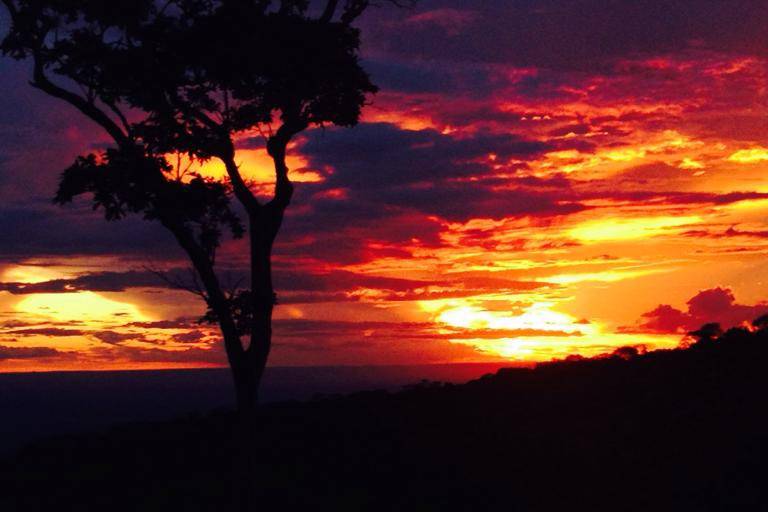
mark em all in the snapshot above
pixel 36 405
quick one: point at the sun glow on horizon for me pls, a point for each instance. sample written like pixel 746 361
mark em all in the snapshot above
pixel 538 316
pixel 79 306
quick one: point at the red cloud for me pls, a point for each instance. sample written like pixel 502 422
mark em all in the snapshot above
pixel 712 305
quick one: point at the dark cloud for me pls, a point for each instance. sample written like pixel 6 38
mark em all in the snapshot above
pixel 38 228
pixel 337 285
pixel 313 330
pixel 96 282
pixel 213 355
pixel 179 323
pixel 475 80
pixel 392 177
pixel 374 156
pixel 713 305
pixel 573 34
pixel 115 338
pixel 329 342
pixel 731 232
pixel 28 352
pixel 669 197
pixel 190 337
pixel 338 280
pixel 45 331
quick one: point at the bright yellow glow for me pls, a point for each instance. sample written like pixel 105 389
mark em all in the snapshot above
pixel 538 316
pixel 566 154
pixel 80 306
pixel 404 120
pixel 629 229
pixel 669 146
pixel 545 348
pixel 254 164
pixel 29 274
pixel 746 205
pixel 625 155
pixel 690 163
pixel 750 156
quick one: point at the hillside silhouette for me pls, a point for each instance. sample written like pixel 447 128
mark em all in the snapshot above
pixel 680 429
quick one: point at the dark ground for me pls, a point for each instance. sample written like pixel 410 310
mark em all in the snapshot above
pixel 38 405
pixel 680 430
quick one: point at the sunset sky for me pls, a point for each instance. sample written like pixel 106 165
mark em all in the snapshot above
pixel 536 178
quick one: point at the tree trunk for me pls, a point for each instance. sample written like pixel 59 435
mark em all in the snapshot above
pixel 248 369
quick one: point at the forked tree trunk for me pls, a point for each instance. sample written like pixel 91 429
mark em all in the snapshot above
pixel 248 369
pixel 248 364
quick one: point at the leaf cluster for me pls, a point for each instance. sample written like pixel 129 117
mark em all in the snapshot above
pixel 192 72
pixel 124 181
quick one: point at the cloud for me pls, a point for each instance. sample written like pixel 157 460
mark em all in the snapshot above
pixel 178 323
pixel 190 337
pixel 28 352
pixel 379 155
pixel 213 355
pixel 55 332
pixel 93 281
pixel 330 342
pixel 575 35
pixel 503 112
pixel 115 338
pixel 713 305
pixel 731 232
pixel 37 229
pixel 450 20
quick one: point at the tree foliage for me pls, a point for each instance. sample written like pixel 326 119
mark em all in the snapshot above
pixel 186 76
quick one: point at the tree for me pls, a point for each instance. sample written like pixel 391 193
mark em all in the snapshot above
pixel 706 335
pixel 185 77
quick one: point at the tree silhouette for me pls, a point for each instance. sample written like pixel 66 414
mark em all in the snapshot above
pixel 705 335
pixel 184 77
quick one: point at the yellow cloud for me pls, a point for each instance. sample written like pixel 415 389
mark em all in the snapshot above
pixel 628 229
pixel 80 306
pixel 750 156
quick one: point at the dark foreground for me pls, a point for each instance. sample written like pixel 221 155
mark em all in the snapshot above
pixel 675 430
pixel 38 405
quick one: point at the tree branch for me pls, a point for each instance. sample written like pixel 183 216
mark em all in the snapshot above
pixel 120 115
pixel 193 288
pixel 353 9
pixel 215 297
pixel 11 9
pixel 329 11
pixel 239 187
pixel 40 81
pixel 277 147
pixel 206 120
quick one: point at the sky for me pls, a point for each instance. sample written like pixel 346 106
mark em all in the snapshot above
pixel 535 179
